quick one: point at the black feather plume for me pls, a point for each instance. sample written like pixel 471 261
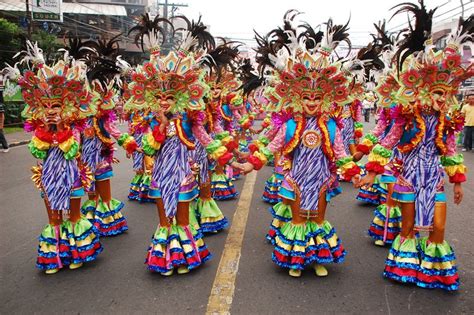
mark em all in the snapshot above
pixel 199 31
pixel 146 26
pixel 312 37
pixel 414 38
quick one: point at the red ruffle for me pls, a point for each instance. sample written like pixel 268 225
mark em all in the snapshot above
pixel 457 178
pixel 225 158
pixel 355 170
pixel 363 148
pixel 231 146
pixel 253 147
pixel 131 147
pixel 159 136
pixel 375 167
pixel 255 161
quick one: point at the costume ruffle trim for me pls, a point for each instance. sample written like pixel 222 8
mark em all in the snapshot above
pixel 281 214
pixel 428 265
pixel 369 195
pixel 67 243
pixel 176 246
pixel 272 188
pixel 139 188
pixel 222 187
pixel 109 221
pixel 297 246
pixel 438 268
pixel 210 217
pixel 383 229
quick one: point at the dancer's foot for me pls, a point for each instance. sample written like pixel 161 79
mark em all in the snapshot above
pixel 75 266
pixel 295 273
pixel 51 271
pixel 182 270
pixel 168 273
pixel 321 271
pixel 379 243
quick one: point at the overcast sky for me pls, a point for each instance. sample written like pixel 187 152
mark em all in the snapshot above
pixel 238 18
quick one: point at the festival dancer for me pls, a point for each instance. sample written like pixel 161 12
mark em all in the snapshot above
pixel 425 138
pixel 173 88
pixel 56 97
pixel 386 223
pixel 313 143
pixel 98 145
pixel 138 124
pixel 204 212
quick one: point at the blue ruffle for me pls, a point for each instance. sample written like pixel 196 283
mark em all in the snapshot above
pixel 379 215
pixel 276 216
pixel 439 285
pixel 398 253
pixel 381 228
pixel 398 278
pixel 214 226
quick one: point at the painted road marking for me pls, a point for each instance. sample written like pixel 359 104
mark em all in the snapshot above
pixel 222 292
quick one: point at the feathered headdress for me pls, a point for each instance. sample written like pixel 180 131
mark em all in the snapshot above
pixel 63 85
pixel 430 79
pixel 148 33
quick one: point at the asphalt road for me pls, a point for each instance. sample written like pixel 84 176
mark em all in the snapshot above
pixel 118 281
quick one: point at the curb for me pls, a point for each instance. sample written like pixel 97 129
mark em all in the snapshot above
pixel 17 143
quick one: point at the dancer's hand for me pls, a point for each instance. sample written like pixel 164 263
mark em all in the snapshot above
pixel 237 165
pixel 247 167
pixel 458 193
pixel 356 180
pixel 368 179
pixel 243 155
pixel 163 121
pixel 357 156
pixel 128 155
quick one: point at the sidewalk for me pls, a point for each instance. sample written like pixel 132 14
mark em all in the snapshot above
pixel 17 138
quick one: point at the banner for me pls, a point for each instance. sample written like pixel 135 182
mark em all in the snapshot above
pixel 47 10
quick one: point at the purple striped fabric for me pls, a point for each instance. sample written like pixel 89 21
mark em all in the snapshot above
pixel 310 170
pixel 170 170
pixel 58 178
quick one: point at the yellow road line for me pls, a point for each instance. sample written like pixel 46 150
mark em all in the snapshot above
pixel 222 293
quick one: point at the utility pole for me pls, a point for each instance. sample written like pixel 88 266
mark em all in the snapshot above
pixel 169 40
pixel 29 20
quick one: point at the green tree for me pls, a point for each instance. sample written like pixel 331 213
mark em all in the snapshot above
pixel 10 37
pixel 48 43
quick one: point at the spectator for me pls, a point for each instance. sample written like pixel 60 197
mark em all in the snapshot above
pixel 368 105
pixel 3 141
pixel 468 111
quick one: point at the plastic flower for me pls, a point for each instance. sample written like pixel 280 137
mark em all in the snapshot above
pixel 410 78
pixel 30 77
pixel 74 85
pixel 196 91
pixel 138 90
pixel 56 80
pixel 149 69
pixel 451 61
pixel 138 77
pixel 286 77
pixel 299 70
